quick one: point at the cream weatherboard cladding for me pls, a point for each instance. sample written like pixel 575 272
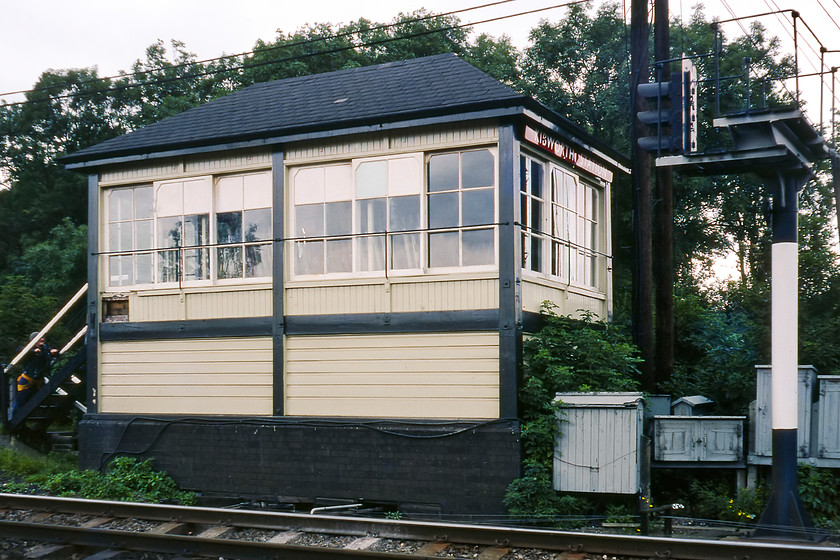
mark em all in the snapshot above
pixel 428 138
pixel 243 160
pixel 439 375
pixel 216 303
pixel 568 299
pixel 187 376
pixel 396 296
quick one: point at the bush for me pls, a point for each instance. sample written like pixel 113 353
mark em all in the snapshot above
pixel 712 500
pixel 534 497
pixel 819 490
pixel 126 479
pixel 565 355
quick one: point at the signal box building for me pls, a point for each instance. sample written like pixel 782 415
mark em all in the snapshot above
pixel 316 288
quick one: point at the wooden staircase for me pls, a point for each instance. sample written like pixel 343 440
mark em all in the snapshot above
pixel 55 402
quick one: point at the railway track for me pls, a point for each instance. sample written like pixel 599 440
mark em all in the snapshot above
pixel 105 528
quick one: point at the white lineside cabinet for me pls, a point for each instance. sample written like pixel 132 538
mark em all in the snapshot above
pixel 763 440
pixel 598 445
pixel 682 439
pixel 828 417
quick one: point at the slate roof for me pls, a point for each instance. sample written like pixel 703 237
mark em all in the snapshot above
pixel 423 87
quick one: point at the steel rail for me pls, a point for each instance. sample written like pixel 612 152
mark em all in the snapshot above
pixel 624 545
pixel 182 544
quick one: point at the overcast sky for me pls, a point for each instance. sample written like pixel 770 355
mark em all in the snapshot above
pixel 36 35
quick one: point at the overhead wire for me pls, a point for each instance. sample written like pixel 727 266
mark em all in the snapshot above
pixel 357 45
pixel 277 47
pixel 244 66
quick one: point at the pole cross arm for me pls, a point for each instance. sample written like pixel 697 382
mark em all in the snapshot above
pixel 764 142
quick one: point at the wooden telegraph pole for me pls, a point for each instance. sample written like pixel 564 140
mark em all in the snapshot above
pixel 642 235
pixel 663 266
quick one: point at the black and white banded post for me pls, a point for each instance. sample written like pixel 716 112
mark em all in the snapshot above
pixel 784 515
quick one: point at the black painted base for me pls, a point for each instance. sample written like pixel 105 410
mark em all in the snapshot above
pixel 457 467
pixel 785 517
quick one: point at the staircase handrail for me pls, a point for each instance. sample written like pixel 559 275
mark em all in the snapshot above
pixel 48 388
pixel 47 328
pixel 73 341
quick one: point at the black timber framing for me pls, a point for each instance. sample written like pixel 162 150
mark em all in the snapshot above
pixel 374 323
pixel 379 323
pixel 196 328
pixel 509 325
pixel 278 261
pixel 91 337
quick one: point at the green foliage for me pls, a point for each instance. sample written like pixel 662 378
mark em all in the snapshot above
pixel 578 67
pixel 819 490
pixel 564 355
pixel 716 350
pixel 713 500
pixel 21 312
pixel 577 355
pixel 126 479
pixel 533 497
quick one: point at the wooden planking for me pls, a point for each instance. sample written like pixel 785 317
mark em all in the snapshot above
pixel 394 366
pixel 163 307
pixel 569 301
pixel 321 300
pixel 187 376
pixel 404 297
pixel 228 161
pixel 406 341
pixel 229 404
pixel 219 303
pixel 828 417
pixel 449 295
pixel 229 303
pixel 430 375
pixel 406 378
pixel 433 137
pixel 406 407
pixel 442 136
pixel 597 450
pixel 187 388
pixel 337 149
pixel 391 391
pixel 138 172
pixel 165 377
pixel 237 160
pixel 187 345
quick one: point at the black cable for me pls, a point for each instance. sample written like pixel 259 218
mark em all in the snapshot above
pixel 274 421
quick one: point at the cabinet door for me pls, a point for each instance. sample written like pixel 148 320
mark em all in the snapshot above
pixel 675 440
pixel 722 440
pixel 828 445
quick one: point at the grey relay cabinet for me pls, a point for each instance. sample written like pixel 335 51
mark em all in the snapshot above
pixel 692 439
pixel 762 441
pixel 599 441
pixel 828 417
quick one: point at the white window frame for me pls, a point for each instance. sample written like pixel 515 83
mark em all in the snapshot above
pixel 190 204
pixel 293 200
pixel 460 229
pixel 567 255
pixel 393 190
